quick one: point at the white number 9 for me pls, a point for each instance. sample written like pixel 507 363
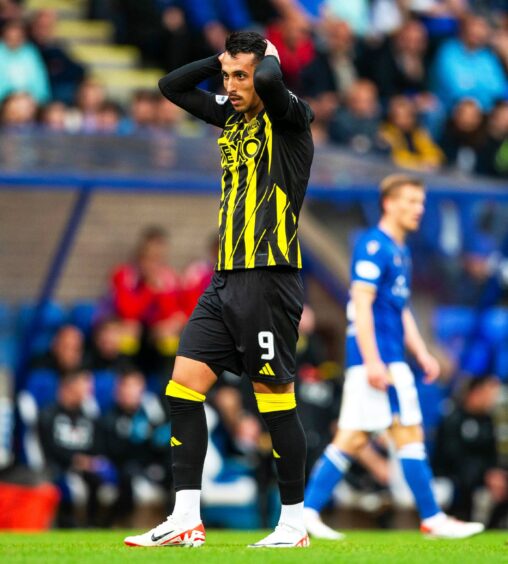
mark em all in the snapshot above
pixel 265 339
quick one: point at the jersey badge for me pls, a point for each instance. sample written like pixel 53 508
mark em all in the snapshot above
pixel 372 247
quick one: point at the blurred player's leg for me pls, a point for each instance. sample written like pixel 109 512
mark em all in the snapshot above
pixel 418 475
pixel 327 473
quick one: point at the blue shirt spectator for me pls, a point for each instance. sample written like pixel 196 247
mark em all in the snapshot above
pixel 468 68
pixel 21 66
pixel 234 14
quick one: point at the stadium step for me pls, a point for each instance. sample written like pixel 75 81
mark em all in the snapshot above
pixel 84 31
pixel 65 9
pixel 121 83
pixel 106 56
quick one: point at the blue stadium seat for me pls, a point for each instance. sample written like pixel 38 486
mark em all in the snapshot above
pixel 501 362
pixel 82 315
pixel 494 325
pixel 452 322
pixel 53 316
pixel 477 357
pixel 104 386
pixel 43 384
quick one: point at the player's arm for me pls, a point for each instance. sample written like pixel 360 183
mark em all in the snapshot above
pixel 280 104
pixel 363 296
pixel 417 347
pixel 180 87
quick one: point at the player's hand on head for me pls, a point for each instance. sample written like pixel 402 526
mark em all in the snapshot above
pixel 430 367
pixel 377 375
pixel 271 50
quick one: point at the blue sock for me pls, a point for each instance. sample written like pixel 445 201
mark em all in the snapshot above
pixel 326 474
pixel 419 478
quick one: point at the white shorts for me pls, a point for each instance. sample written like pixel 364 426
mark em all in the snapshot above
pixel 365 408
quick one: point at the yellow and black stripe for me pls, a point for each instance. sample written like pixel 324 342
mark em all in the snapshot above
pixel 258 210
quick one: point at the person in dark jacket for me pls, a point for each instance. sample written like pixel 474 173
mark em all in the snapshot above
pixel 465 450
pixel 71 445
pixel 134 439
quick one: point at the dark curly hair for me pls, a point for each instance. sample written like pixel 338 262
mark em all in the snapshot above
pixel 246 42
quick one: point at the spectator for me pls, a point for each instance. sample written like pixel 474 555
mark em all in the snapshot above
pixel 18 112
pixel 333 69
pixel 143 112
pixel 463 135
pixel 467 68
pixel 104 352
pixel 109 118
pixel 400 66
pixel 493 153
pixel 66 353
pixel 129 435
pixel 465 450
pixel 198 275
pixel 147 299
pixel 64 73
pixel 317 387
pixel 411 146
pixel 53 117
pixel 356 125
pixel 324 106
pixel 70 444
pixel 21 66
pixel 291 36
pixel 9 10
pixel 169 116
pixel 89 100
pixel 356 14
pixel 213 18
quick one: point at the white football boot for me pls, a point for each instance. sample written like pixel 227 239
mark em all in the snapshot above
pixel 170 533
pixel 450 528
pixel 284 536
pixel 316 528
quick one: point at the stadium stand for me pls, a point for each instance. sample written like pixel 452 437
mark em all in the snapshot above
pixel 83 172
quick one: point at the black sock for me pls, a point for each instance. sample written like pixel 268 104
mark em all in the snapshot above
pixel 189 441
pixel 289 445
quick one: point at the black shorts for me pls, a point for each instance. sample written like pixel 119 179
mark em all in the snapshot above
pixel 246 322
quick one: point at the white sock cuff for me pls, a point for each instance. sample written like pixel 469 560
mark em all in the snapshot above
pixel 337 458
pixel 413 451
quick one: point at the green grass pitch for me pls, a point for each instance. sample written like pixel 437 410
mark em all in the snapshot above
pixel 225 547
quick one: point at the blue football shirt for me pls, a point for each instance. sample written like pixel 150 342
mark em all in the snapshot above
pixel 384 264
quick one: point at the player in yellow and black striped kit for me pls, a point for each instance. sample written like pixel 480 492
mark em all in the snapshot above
pixel 247 320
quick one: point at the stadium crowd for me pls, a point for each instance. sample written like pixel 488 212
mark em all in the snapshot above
pixel 94 422
pixel 422 83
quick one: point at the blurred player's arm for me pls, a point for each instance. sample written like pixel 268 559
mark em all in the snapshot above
pixel 417 347
pixel 180 87
pixel 363 296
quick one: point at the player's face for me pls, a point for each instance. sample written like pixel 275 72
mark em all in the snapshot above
pixel 406 207
pixel 238 78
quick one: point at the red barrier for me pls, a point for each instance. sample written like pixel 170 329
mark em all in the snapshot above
pixel 27 507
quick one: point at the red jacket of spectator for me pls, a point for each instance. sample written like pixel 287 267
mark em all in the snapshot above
pixel 135 299
pixel 195 281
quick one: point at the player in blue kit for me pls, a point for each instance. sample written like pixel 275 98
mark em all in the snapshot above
pixel 379 391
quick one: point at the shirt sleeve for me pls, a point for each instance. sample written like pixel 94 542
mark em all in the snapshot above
pixel 280 103
pixel 369 262
pixel 180 87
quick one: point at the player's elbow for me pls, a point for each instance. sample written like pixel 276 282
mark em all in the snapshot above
pixel 264 80
pixel 167 88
